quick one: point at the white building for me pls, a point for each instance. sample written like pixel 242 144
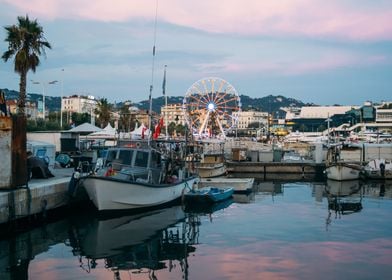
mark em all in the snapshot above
pixel 79 104
pixel 323 112
pixel 245 118
pixel 383 115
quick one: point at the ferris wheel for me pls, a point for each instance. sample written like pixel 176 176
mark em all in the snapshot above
pixel 209 106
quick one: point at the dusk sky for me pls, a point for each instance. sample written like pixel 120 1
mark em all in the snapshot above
pixel 325 52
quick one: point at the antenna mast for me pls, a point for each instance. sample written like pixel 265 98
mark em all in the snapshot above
pixel 152 72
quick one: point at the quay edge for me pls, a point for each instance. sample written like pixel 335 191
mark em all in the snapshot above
pixel 276 167
pixel 38 197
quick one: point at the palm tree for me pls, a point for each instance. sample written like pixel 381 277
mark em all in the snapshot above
pixel 26 43
pixel 103 112
pixel 125 117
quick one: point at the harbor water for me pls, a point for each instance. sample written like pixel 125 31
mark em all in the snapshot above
pixel 282 230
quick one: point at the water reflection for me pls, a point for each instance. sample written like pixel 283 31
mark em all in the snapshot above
pixel 207 208
pixel 344 197
pixel 140 243
pixel 163 243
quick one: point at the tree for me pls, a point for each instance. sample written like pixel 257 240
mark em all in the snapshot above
pixel 125 118
pixel 103 112
pixel 26 43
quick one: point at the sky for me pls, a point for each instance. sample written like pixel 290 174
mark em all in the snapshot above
pixel 317 51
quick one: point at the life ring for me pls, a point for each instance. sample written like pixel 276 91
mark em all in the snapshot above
pixel 138 145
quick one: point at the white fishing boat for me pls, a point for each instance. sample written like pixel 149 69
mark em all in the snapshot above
pixel 141 175
pixel 378 169
pixel 212 163
pixel 342 171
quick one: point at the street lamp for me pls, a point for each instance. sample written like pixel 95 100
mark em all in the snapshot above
pixel 43 93
pixel 61 100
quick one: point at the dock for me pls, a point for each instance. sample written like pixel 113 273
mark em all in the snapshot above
pixel 240 185
pixel 264 168
pixel 37 197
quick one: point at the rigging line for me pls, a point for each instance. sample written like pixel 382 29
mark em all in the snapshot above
pixel 152 70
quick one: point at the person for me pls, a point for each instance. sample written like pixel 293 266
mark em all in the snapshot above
pixel 37 167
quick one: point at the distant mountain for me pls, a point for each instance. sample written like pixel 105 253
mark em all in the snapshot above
pixel 53 103
pixel 268 103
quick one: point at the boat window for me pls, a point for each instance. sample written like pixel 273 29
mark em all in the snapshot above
pixel 141 159
pixel 155 160
pixel 111 155
pixel 125 156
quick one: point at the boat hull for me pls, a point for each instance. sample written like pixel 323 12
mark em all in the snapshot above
pixel 373 169
pixel 112 194
pixel 212 170
pixel 209 195
pixel 342 172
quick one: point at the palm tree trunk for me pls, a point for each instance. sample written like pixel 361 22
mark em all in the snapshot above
pixel 22 93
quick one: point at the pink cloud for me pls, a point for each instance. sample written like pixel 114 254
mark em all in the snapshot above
pixel 287 66
pixel 313 18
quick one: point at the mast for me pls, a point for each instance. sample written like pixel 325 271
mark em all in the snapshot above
pixel 164 94
pixel 152 74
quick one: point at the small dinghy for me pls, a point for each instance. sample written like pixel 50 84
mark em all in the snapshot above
pixel 209 194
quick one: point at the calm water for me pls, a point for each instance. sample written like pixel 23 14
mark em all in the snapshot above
pixel 281 231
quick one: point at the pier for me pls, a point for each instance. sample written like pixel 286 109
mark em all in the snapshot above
pixel 264 168
pixel 36 198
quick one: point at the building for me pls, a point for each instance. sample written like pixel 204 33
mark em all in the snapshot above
pixel 314 118
pixel 173 113
pixel 245 118
pixel 31 109
pixel 79 104
pixel 383 115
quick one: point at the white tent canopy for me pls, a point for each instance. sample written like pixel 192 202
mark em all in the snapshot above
pixel 85 128
pixel 107 132
pixel 138 132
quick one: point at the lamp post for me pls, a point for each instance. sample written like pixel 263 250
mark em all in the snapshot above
pixel 43 93
pixel 61 100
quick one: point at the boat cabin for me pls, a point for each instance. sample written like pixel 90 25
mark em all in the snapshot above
pixel 134 164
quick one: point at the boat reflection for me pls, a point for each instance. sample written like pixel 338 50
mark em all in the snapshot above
pixel 144 242
pixel 207 208
pixel 344 197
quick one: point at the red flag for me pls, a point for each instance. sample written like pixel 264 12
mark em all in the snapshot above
pixel 158 128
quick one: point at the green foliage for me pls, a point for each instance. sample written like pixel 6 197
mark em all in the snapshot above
pixel 103 112
pixel 26 43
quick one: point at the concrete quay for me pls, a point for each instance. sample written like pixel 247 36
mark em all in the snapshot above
pixel 265 168
pixel 39 196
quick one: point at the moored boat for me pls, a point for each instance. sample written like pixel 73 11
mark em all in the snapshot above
pixel 378 169
pixel 209 194
pixel 139 176
pixel 342 171
pixel 211 156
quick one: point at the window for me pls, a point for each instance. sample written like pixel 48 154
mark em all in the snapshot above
pixel 126 156
pixel 141 159
pixel 111 155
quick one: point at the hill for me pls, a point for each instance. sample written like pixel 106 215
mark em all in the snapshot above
pixel 268 103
